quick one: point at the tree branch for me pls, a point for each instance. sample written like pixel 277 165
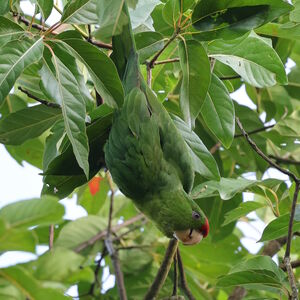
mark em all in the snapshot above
pixel 163 270
pixel 183 282
pixel 102 234
pixel 261 154
pixel 286 161
pixel 175 279
pixel 51 236
pixel 286 260
pixel 254 131
pixel 294 264
pixel 47 103
pixel 156 56
pixel 110 247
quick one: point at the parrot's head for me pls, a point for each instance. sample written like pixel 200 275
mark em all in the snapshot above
pixel 198 227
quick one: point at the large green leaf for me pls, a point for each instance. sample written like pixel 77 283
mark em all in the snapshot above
pixel 226 188
pixel 27 123
pixel 101 68
pixel 80 12
pixel 147 44
pixel 229 19
pixel 218 112
pixel 57 265
pixel 9 31
pixel 12 239
pixel 29 286
pixel 111 18
pixel 79 231
pixel 62 85
pixel 278 228
pixel 259 68
pixel 290 126
pixel 15 56
pixel 45 7
pixel 195 83
pixel 23 214
pixel 203 162
pixel 258 272
pixel 242 210
pixel 293 86
pixel 63 174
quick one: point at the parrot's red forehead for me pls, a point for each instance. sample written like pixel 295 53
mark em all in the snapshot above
pixel 205 228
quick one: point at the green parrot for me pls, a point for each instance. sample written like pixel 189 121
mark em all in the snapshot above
pixel 146 155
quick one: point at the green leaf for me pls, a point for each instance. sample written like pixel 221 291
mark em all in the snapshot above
pixel 51 144
pixel 258 279
pixel 278 228
pixel 45 7
pixel 102 70
pixel 203 161
pixel 195 83
pixel 80 12
pixel 9 31
pixel 62 85
pixel 218 112
pixel 4 7
pixel 31 151
pixel 290 126
pixel 259 272
pixel 63 174
pixel 27 123
pixel 57 265
pixel 259 68
pixel 243 209
pixel 293 86
pixel 226 188
pixel 228 19
pixel 79 231
pixel 26 213
pixel 15 56
pixel 12 239
pixel 11 104
pixel 147 44
pixel 111 18
pixel 29 286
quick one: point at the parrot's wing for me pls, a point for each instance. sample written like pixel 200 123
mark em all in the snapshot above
pixel 140 154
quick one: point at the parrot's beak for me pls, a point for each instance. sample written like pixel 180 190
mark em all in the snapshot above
pixel 189 236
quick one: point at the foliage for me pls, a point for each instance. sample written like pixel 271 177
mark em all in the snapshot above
pixel 59 84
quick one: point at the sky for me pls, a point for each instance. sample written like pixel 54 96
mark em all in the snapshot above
pixel 24 182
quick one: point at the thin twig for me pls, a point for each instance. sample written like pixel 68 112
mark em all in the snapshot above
pixel 215 148
pixel 110 247
pixel 96 272
pixel 102 234
pixel 175 278
pixel 156 56
pixel 230 77
pixel 166 61
pixel 149 75
pixel 33 25
pixel 47 103
pixel 163 270
pixel 255 131
pixel 51 236
pixel 287 261
pixel 260 153
pixel 183 282
pixel 286 161
pixel 294 264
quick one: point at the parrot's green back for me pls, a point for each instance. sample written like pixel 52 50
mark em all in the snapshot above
pixel 147 157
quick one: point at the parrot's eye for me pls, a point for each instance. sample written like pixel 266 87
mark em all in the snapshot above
pixel 195 215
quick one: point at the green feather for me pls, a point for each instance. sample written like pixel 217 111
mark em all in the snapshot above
pixel 146 155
